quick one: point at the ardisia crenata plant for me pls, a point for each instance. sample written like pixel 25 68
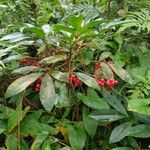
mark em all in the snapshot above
pixel 74 75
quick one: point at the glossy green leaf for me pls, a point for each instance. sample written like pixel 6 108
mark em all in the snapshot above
pixel 12 142
pixel 139 106
pixel 123 74
pixel 107 71
pixel 106 115
pixel 25 70
pixel 21 84
pixel 88 80
pixel 76 137
pixel 47 93
pixel 90 124
pixel 53 59
pixel 93 102
pixel 61 76
pixel 140 131
pixel 116 103
pixel 16 117
pixel 39 140
pixel 120 132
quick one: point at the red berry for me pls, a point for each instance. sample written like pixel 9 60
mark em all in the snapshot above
pixel 108 83
pixel 37 89
pixel 103 80
pixel 38 85
pixel 97 65
pixel 101 83
pixel 116 82
pixel 78 82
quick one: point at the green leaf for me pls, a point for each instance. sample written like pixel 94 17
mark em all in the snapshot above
pixel 53 59
pixel 30 126
pixel 11 142
pixel 16 117
pixel 25 70
pixel 47 93
pixel 75 21
pixel 140 131
pixel 139 105
pixel 120 132
pixel 46 145
pixel 76 137
pixel 21 84
pixel 37 31
pixel 90 124
pixel 123 74
pixel 107 71
pixel 12 36
pixel 24 145
pixel 61 76
pixel 96 103
pixel 115 102
pixel 88 80
pixel 39 141
pixel 106 115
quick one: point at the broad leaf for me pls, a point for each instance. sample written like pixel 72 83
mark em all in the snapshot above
pixel 88 80
pixel 139 105
pixel 25 70
pixel 115 102
pixel 123 74
pixel 21 84
pixel 106 115
pixel 61 76
pixel 12 142
pixel 53 59
pixel 39 140
pixel 96 103
pixel 47 93
pixel 90 124
pixel 76 137
pixel 107 71
pixel 120 132
pixel 140 131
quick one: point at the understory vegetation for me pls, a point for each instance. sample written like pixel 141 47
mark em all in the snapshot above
pixel 74 74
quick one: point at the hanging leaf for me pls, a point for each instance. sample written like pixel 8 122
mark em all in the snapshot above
pixel 120 132
pixel 21 84
pixel 76 137
pixel 123 74
pixel 61 76
pixel 53 59
pixel 106 115
pixel 115 102
pixel 139 105
pixel 96 103
pixel 39 140
pixel 88 80
pixel 25 70
pixel 47 93
pixel 12 142
pixel 107 71
pixel 90 124
pixel 140 131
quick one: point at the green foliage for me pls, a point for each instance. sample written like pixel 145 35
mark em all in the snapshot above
pixel 74 75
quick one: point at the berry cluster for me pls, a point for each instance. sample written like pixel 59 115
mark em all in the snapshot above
pixel 29 62
pixel 38 84
pixel 73 79
pixel 109 83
